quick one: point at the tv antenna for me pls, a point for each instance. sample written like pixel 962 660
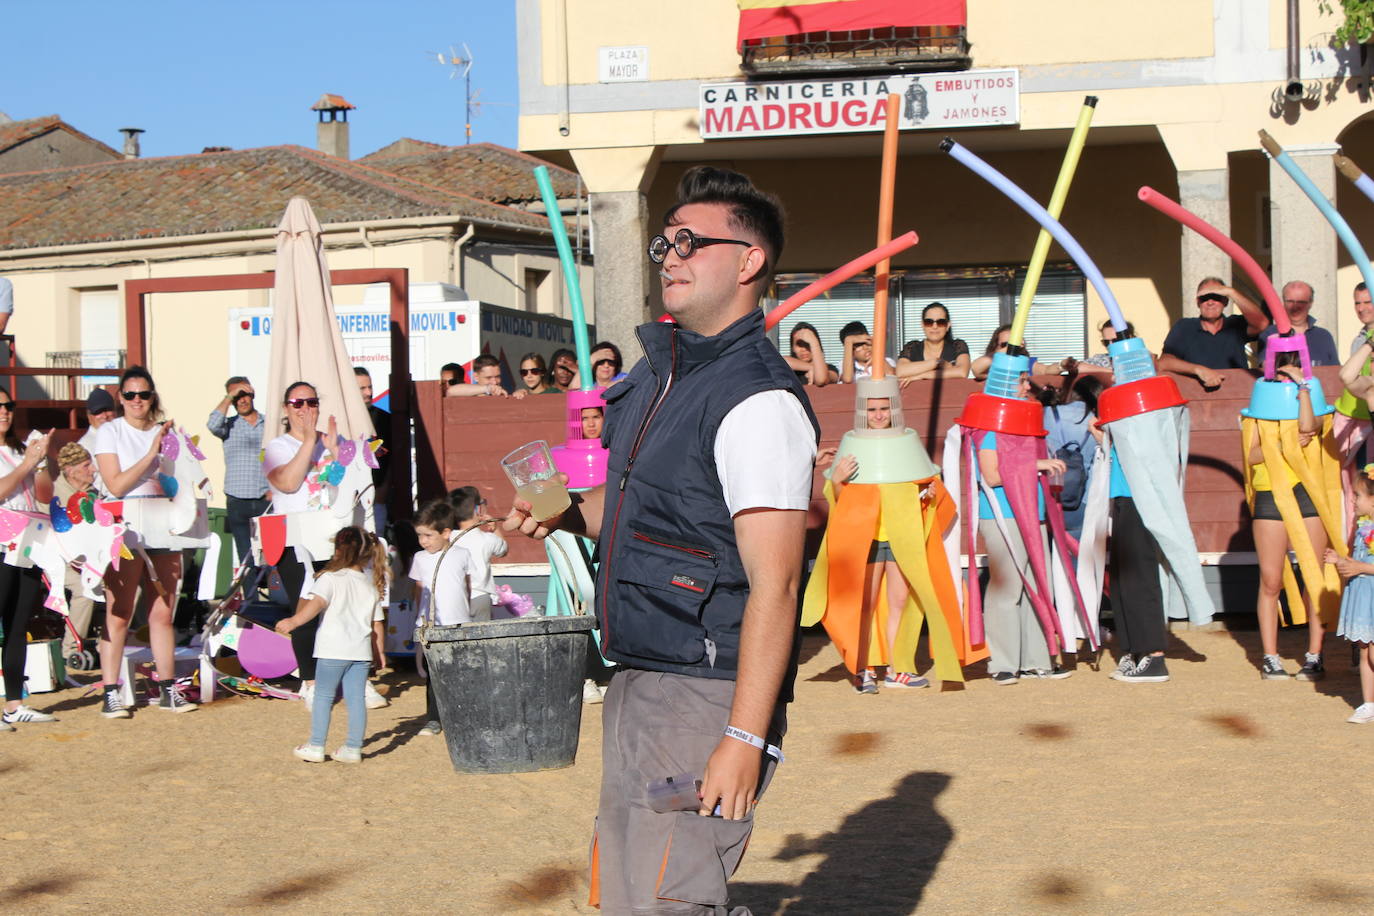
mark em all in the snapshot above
pixel 462 66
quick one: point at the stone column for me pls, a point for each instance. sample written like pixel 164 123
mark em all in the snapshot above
pixel 616 180
pixel 620 230
pixel 1206 193
pixel 1304 244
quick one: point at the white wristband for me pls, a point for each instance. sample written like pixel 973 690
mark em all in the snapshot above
pixel 740 734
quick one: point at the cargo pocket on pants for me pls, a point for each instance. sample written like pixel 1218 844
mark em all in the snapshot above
pixel 702 854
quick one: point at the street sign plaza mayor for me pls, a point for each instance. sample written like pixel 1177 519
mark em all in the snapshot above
pixel 930 101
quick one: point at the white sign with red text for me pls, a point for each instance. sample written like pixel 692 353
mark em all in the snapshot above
pixel 972 98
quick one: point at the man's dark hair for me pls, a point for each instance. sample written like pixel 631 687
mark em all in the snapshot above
pixel 752 212
pixel 1361 286
pixel 849 330
pixel 559 354
pixel 465 501
pixel 483 361
pixel 456 369
pixel 361 371
pixel 236 380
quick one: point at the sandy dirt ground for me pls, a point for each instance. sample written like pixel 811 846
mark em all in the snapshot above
pixel 1215 793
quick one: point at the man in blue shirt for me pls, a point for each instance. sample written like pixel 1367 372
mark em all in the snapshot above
pixel 1213 340
pixel 237 421
pixel 1297 301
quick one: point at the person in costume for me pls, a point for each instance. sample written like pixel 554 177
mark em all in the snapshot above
pixel 1357 602
pixel 1016 637
pixel 127 452
pixel 1285 458
pixel 882 564
pixel 289 461
pixel 1137 596
pixel 21 471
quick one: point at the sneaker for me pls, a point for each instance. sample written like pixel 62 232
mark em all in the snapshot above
pixel 307 694
pixel 590 694
pixel 1123 668
pixel 866 682
pixel 1271 669
pixel 172 699
pixel 1363 714
pixel 113 706
pixel 310 753
pixel 1312 668
pixel 1004 678
pixel 372 699
pixel 27 714
pixel 348 754
pixel 431 729
pixel 1057 673
pixel 903 679
pixel 1151 669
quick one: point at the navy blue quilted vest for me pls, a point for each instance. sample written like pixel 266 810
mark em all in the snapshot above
pixel 671 589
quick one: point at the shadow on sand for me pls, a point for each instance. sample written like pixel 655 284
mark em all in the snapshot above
pixel 907 820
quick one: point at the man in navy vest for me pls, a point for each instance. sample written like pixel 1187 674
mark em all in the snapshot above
pixel 701 527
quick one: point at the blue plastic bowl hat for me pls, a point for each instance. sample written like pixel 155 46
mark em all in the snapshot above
pixel 1131 360
pixel 1004 376
pixel 1274 400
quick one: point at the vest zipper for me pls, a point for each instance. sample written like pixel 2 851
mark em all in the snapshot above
pixel 694 551
pixel 629 463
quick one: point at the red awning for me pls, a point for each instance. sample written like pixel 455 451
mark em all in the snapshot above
pixel 768 18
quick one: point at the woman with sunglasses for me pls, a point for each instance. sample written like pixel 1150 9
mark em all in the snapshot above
pixel 606 364
pixel 997 344
pixel 288 461
pixel 534 375
pixel 127 452
pixel 807 357
pixel 939 355
pixel 21 590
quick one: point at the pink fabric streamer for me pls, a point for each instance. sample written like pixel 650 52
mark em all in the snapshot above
pixel 969 511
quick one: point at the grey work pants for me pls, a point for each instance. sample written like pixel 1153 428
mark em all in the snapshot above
pixel 1016 641
pixel 656 726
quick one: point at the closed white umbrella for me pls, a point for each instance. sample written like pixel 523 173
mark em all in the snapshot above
pixel 307 345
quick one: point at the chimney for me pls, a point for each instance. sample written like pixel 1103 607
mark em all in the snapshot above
pixel 131 150
pixel 331 134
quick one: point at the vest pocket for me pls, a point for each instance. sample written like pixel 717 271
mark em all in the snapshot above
pixel 663 586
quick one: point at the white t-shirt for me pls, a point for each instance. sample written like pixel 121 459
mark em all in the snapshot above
pixel 453 606
pixel 765 449
pixel 23 498
pixel 867 371
pixel 280 451
pixel 129 445
pixel 484 546
pixel 351 605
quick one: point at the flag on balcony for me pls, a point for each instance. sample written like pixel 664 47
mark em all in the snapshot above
pixel 770 18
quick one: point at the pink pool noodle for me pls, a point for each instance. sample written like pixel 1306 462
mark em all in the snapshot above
pixel 838 276
pixel 1238 254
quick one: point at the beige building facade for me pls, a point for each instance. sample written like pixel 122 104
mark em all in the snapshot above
pixel 1183 87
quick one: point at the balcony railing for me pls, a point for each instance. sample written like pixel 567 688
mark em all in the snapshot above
pixel 875 50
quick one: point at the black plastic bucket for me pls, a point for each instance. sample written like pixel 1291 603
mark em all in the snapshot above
pixel 509 691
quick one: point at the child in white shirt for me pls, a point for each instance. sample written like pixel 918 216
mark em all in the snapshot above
pixel 441 572
pixel 350 596
pixel 483 545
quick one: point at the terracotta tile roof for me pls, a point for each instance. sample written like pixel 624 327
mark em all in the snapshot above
pixel 406 146
pixel 13 133
pixel 485 170
pixel 217 192
pixel 329 100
